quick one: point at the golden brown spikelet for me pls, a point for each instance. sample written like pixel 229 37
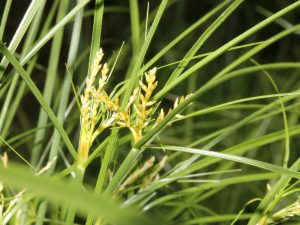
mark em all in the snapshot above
pixel 100 110
pixel 96 107
pixel 137 174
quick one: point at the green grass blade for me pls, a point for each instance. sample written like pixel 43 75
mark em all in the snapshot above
pixel 97 27
pixel 14 102
pixel 66 86
pixel 216 219
pixel 181 36
pixel 135 26
pixel 239 149
pixel 139 60
pixel 102 176
pixel 58 191
pixel 39 97
pixel 240 159
pixel 4 18
pixel 49 83
pixel 227 46
pixel 203 38
pixel 53 31
pixel 22 28
pixel 284 118
pixel 123 170
pixel 271 198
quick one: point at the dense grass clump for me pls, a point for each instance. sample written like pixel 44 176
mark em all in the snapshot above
pixel 159 112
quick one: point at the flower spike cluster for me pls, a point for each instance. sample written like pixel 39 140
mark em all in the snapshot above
pixel 142 106
pixel 100 110
pixel 95 116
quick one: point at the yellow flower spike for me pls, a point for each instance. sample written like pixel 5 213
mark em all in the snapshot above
pixel 98 111
pixel 136 174
pixel 150 76
pixel 140 102
pixel 104 72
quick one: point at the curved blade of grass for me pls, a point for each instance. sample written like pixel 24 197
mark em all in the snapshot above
pixel 225 47
pixel 216 219
pixel 49 83
pixel 223 183
pixel 240 159
pixel 97 28
pixel 53 31
pixel 102 175
pixel 39 97
pixel 202 39
pixel 58 191
pixel 247 145
pixel 236 150
pixel 182 106
pixel 271 198
pixel 4 19
pixel 134 76
pixel 22 28
pixel 225 105
pixel 184 34
pixel 284 117
pixel 208 53
pixel 135 26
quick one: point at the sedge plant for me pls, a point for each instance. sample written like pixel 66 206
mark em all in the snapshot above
pixel 190 117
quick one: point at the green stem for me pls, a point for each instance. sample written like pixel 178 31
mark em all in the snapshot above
pixel 272 198
pixel 123 170
pixel 79 174
pixel 110 151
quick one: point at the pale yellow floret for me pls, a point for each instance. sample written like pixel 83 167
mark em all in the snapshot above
pixel 283 214
pixel 95 116
pixel 155 174
pixel 99 110
pixel 136 174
